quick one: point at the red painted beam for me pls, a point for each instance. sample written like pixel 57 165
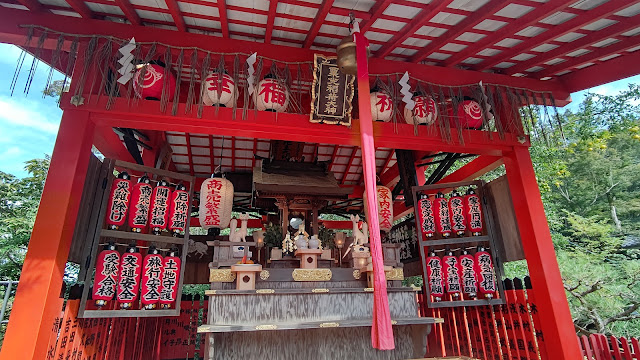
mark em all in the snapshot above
pixel 222 13
pixel 81 8
pixel 317 22
pixel 421 19
pixel 32 5
pixel 600 12
pixel 611 70
pixel 585 41
pixel 174 10
pixel 129 11
pixel 273 6
pixel 474 169
pixel 390 177
pixel 465 25
pixel 349 163
pixel 376 11
pixel 346 12
pixel 598 53
pixel 530 19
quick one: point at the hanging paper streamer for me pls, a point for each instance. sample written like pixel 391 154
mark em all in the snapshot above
pixel 456 210
pixel 216 201
pixel 119 201
pixel 427 222
pixel 151 286
pixel 106 278
pixel 473 212
pixel 435 277
pixel 468 273
pixel 129 282
pixel 179 207
pixel 251 78
pixel 140 202
pixel 159 212
pixel 405 90
pixel 451 270
pixel 485 273
pixel 126 61
pixel 441 215
pixel 170 280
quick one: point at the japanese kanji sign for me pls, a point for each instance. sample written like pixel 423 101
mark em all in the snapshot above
pixel 404 233
pixel 473 212
pixel 427 220
pixel 106 278
pixel 151 280
pixel 140 202
pixel 170 281
pixel 179 207
pixel 332 92
pixel 119 201
pixel 216 201
pixel 435 277
pixel 129 282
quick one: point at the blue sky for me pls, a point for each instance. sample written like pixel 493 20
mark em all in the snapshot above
pixel 29 124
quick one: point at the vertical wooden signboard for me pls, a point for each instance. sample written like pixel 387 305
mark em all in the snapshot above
pixel 331 93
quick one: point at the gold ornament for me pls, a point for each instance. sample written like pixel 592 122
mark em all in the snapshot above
pixel 264 274
pixel 266 327
pixel 312 274
pixel 319 291
pixel 347 55
pixel 329 325
pixel 356 274
pixel 221 275
pixel 265 291
pixel 395 274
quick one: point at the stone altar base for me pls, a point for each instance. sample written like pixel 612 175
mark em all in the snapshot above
pixel 308 258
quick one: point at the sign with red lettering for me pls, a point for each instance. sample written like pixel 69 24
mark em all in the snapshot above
pixel 427 221
pixel 170 280
pixel 441 214
pixel 271 95
pixel 118 201
pixel 381 106
pixel 129 282
pixel 385 208
pixel 220 90
pixel 159 211
pixel 106 278
pixel 151 286
pixel 451 270
pixel 140 202
pixel 435 277
pixel 216 202
pixel 473 212
pixel 456 212
pixel 179 208
pixel 424 111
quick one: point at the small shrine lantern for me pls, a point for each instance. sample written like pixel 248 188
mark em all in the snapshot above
pixel 129 280
pixel 170 279
pixel 381 105
pixel 271 95
pixel 149 85
pixel 385 207
pixel 119 201
pixel 216 201
pixel 107 275
pixel 220 90
pixel 424 111
pixel 140 202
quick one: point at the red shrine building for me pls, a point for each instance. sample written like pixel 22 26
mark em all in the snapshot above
pixel 297 157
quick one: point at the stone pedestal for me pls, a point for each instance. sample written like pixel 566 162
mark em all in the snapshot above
pixel 308 258
pixel 246 275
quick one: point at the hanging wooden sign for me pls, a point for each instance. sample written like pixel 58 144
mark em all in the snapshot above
pixel 404 234
pixel 332 92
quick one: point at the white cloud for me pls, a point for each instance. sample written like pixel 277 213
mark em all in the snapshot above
pixel 25 113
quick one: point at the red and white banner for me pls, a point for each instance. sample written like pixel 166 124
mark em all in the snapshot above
pixel 170 280
pixel 427 221
pixel 435 277
pixel 473 212
pixel 129 282
pixel 485 273
pixel 468 273
pixel 159 211
pixel 441 214
pixel 119 201
pixel 456 212
pixel 151 286
pixel 140 202
pixel 179 208
pixel 106 278
pixel 451 270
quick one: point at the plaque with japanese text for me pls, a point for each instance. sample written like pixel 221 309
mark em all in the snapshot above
pixel 332 92
pixel 404 233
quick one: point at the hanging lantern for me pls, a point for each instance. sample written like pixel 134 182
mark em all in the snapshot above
pixel 381 105
pixel 451 271
pixel 170 280
pixel 159 211
pixel 140 202
pixel 179 207
pixel 424 111
pixel 129 282
pixel 441 215
pixel 271 95
pixel 220 90
pixel 216 201
pixel 469 114
pixel 435 276
pixel 119 201
pixel 456 210
pixel 468 273
pixel 485 273
pixel 106 278
pixel 150 87
pixel 473 212
pixel 385 207
pixel 427 222
pixel 152 272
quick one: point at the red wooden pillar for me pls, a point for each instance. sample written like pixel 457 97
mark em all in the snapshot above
pixel 36 303
pixel 557 325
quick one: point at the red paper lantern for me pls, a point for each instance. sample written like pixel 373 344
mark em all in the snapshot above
pixel 435 276
pixel 150 87
pixel 381 106
pixel 140 201
pixel 152 272
pixel 441 215
pixel 473 212
pixel 119 201
pixel 179 207
pixel 385 207
pixel 485 273
pixel 456 212
pixel 424 111
pixel 106 278
pixel 129 282
pixel 468 273
pixel 470 115
pixel 427 222
pixel 220 90
pixel 159 211
pixel 170 280
pixel 216 202
pixel 271 95
pixel 451 271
